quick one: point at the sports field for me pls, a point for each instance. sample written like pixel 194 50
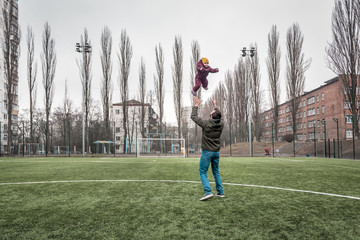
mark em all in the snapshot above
pixel 129 198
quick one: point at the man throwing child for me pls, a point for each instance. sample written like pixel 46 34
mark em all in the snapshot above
pixel 210 144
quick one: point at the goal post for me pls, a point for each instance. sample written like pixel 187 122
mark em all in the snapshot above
pixel 160 147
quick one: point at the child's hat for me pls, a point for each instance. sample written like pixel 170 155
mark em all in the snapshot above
pixel 205 60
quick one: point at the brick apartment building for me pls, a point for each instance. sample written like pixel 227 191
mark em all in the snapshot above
pixel 324 103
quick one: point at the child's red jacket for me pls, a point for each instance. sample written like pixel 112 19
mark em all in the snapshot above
pixel 203 72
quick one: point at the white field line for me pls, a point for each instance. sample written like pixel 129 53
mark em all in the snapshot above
pixel 96 162
pixel 181 181
pixel 290 160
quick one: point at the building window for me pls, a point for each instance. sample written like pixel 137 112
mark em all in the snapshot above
pixel 318 110
pixel 311 112
pixel 266 117
pixel 117 111
pixel 288 128
pixel 304 103
pixel 311 100
pixel 117 138
pixel 317 98
pixel 299 115
pixel 311 136
pixel 266 124
pixel 288 118
pixel 299 126
pixel 287 109
pixel 311 124
pixel 304 125
pixel 280 112
pixel 349 133
pixel 280 120
pixel 318 123
pixel 348 118
pixel 117 129
pixel 322 97
pixel 358 90
pixel 322 109
pixel 346 105
pixel 300 137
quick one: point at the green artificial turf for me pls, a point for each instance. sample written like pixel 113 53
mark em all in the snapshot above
pixel 172 210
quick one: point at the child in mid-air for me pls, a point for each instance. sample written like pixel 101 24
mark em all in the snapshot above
pixel 203 70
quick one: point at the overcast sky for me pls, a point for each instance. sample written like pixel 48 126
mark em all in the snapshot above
pixel 222 29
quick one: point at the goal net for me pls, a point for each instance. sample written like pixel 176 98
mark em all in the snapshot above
pixel 160 147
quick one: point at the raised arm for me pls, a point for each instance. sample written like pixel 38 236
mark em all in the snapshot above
pixel 194 113
pixel 213 70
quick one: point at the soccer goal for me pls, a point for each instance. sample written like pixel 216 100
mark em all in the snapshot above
pixel 160 147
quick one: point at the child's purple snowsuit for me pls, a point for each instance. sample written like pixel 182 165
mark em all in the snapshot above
pixel 201 75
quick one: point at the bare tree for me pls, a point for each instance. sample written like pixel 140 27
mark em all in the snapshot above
pixel 195 56
pixel 142 87
pixel 106 84
pixel 177 71
pixel 159 81
pixel 241 94
pixel 31 77
pixel 84 65
pixel 11 51
pixel 273 67
pixel 295 72
pixel 195 51
pixel 230 97
pixel 48 59
pixel 344 51
pixel 124 56
pixel 257 94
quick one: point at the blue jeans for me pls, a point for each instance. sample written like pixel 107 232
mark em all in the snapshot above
pixel 208 157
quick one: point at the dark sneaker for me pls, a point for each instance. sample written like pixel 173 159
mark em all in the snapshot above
pixel 193 93
pixel 206 197
pixel 220 195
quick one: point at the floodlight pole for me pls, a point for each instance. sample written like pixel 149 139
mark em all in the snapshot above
pixel 245 53
pixel 85 50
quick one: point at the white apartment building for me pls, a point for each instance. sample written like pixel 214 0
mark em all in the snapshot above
pixel 3 81
pixel 134 121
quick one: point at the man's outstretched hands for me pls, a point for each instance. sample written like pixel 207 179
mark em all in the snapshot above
pixel 197 101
